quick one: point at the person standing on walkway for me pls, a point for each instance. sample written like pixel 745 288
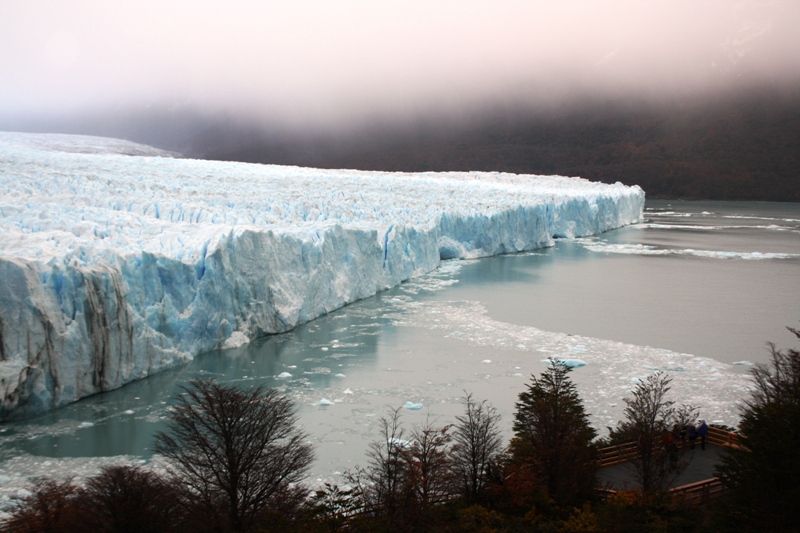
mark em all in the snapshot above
pixel 671 447
pixel 702 432
pixel 692 432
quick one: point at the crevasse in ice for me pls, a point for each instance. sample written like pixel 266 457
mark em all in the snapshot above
pixel 118 260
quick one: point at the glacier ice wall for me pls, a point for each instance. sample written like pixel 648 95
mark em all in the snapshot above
pixel 118 260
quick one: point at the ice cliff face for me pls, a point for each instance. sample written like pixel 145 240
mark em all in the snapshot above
pixel 118 260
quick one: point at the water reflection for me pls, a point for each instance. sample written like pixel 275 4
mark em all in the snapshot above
pixel 123 421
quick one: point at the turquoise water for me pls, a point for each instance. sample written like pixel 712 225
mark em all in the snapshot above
pixel 696 288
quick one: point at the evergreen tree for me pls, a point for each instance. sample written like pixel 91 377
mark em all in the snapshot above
pixel 553 436
pixel 764 474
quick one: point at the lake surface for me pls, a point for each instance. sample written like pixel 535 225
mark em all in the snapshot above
pixel 696 291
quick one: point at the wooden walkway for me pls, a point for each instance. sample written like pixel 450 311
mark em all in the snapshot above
pixel 695 484
pixel 701 465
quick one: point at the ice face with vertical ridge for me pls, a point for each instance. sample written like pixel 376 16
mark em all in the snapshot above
pixel 118 260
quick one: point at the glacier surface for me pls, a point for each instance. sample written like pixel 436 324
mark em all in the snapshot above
pixel 118 260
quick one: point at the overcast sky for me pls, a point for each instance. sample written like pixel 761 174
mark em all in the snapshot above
pixel 335 62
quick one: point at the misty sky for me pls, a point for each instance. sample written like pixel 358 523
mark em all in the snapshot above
pixel 334 62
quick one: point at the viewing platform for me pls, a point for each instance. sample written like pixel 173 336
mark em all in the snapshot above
pixel 696 482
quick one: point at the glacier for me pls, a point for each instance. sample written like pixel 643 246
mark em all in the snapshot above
pixel 118 260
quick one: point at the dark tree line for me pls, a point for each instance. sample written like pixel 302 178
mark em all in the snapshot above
pixel 764 474
pixel 120 499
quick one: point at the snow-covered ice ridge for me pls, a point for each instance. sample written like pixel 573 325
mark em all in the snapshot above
pixel 118 260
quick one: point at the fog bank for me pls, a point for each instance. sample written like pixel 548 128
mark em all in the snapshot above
pixel 339 65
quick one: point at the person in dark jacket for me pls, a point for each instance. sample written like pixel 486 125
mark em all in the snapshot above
pixel 702 432
pixel 692 432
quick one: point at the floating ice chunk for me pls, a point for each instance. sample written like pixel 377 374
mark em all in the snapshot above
pixel 283 375
pixel 236 340
pixel 86 424
pixel 324 348
pixel 339 376
pixel 572 363
pixel 128 412
pixel 325 402
pixel 518 375
pixel 411 406
pixel 487 361
pixel 347 391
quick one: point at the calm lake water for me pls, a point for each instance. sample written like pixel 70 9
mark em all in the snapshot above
pixel 696 290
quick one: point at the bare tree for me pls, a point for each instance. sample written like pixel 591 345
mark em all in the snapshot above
pixel 476 446
pixel 428 464
pixel 406 474
pixel 649 416
pixel 381 485
pixel 237 452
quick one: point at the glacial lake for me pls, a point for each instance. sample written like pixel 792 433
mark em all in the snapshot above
pixel 696 291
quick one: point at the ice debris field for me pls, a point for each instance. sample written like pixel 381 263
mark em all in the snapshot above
pixel 118 260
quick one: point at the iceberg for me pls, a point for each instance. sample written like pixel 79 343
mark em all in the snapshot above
pixel 118 260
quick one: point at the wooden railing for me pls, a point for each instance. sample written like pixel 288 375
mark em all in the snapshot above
pixel 722 438
pixel 623 453
pixel 693 493
pixel 699 492
pixel 614 455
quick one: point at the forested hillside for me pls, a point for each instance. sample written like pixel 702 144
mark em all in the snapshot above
pixel 744 149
